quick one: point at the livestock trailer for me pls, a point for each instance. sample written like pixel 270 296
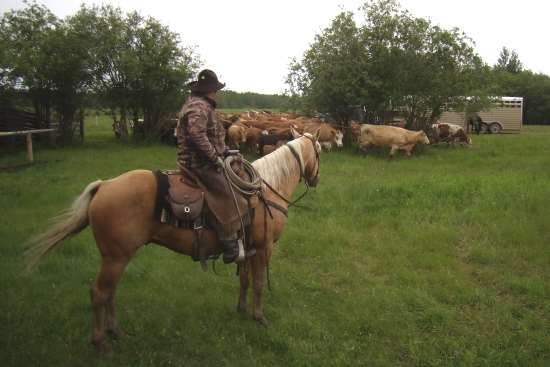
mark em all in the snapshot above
pixel 504 115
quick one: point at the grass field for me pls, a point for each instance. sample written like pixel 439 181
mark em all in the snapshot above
pixel 438 260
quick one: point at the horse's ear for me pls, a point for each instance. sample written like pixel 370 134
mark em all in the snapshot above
pixel 317 134
pixel 295 134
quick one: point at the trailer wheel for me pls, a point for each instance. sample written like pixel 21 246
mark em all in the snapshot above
pixel 495 128
pixel 484 128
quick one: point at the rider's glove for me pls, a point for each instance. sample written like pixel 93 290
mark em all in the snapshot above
pixel 219 163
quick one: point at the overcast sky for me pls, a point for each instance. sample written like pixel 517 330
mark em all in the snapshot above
pixel 249 43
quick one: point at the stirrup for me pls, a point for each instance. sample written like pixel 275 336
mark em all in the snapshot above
pixel 242 255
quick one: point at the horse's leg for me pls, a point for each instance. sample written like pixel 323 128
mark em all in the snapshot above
pixel 243 277
pixel 259 263
pixel 102 296
pixel 113 328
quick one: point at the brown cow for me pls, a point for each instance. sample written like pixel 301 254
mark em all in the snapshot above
pixel 328 135
pixel 451 133
pixel 253 135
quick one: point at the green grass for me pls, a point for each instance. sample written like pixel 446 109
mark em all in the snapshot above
pixel 441 259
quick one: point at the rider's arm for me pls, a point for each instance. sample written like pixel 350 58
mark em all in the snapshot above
pixel 196 127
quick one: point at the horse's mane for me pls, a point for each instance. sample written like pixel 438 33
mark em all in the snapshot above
pixel 278 166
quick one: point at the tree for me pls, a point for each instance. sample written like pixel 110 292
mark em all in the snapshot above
pixel 331 76
pixel 533 87
pixel 231 99
pixel 509 79
pixel 509 61
pixel 393 61
pixel 47 60
pixel 23 35
pixel 139 68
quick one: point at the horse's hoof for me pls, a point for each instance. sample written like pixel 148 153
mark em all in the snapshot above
pixel 117 333
pixel 102 349
pixel 241 308
pixel 261 321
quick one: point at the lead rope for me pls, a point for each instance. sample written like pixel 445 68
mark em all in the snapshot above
pixel 265 240
pixel 246 188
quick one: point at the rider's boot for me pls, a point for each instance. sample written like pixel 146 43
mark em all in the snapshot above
pixel 233 251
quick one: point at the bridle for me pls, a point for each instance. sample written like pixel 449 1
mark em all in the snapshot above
pixel 297 156
pixel 302 171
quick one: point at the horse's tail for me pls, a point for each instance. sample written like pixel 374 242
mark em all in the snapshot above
pixel 68 223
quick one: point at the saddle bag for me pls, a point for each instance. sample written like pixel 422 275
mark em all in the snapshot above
pixel 185 200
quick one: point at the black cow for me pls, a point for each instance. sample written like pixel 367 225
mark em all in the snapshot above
pixel 273 139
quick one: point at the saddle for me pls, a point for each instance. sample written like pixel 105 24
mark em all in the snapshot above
pixel 185 202
pixel 185 197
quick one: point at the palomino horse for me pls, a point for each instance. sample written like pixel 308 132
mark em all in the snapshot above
pixel 119 211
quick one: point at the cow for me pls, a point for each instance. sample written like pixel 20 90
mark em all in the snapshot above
pixel 355 128
pixel 272 140
pixel 236 134
pixel 396 138
pixel 253 135
pixel 450 134
pixel 328 135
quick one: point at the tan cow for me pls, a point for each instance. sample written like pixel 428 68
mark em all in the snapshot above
pixel 389 136
pixel 236 134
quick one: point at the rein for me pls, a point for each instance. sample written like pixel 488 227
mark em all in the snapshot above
pixel 269 203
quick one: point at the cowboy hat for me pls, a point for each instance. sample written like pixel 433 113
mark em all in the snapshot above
pixel 207 81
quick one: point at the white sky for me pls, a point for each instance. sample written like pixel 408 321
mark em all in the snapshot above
pixel 249 43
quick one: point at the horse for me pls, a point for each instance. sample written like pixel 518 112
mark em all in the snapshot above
pixel 119 212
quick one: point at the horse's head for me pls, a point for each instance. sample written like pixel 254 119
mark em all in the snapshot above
pixel 311 151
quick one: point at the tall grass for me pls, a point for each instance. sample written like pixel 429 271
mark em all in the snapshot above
pixel 441 259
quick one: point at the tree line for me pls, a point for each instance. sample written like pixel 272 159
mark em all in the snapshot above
pixel 393 61
pixel 231 99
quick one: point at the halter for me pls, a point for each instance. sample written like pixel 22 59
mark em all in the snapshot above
pixel 302 172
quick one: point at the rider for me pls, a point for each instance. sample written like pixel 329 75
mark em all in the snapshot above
pixel 201 149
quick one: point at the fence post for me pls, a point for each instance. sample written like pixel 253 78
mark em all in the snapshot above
pixel 29 147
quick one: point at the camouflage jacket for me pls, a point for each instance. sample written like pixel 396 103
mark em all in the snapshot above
pixel 201 138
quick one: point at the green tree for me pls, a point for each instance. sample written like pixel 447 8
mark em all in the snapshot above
pixel 331 76
pixel 48 61
pixel 139 69
pixel 23 35
pixel 393 61
pixel 533 87
pixel 509 61
pixel 231 99
pixel 68 68
pixel 510 79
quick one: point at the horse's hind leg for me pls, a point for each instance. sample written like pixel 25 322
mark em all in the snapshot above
pixel 113 328
pixel 102 296
pixel 259 263
pixel 244 278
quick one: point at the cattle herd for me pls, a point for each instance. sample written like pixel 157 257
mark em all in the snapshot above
pixel 262 132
